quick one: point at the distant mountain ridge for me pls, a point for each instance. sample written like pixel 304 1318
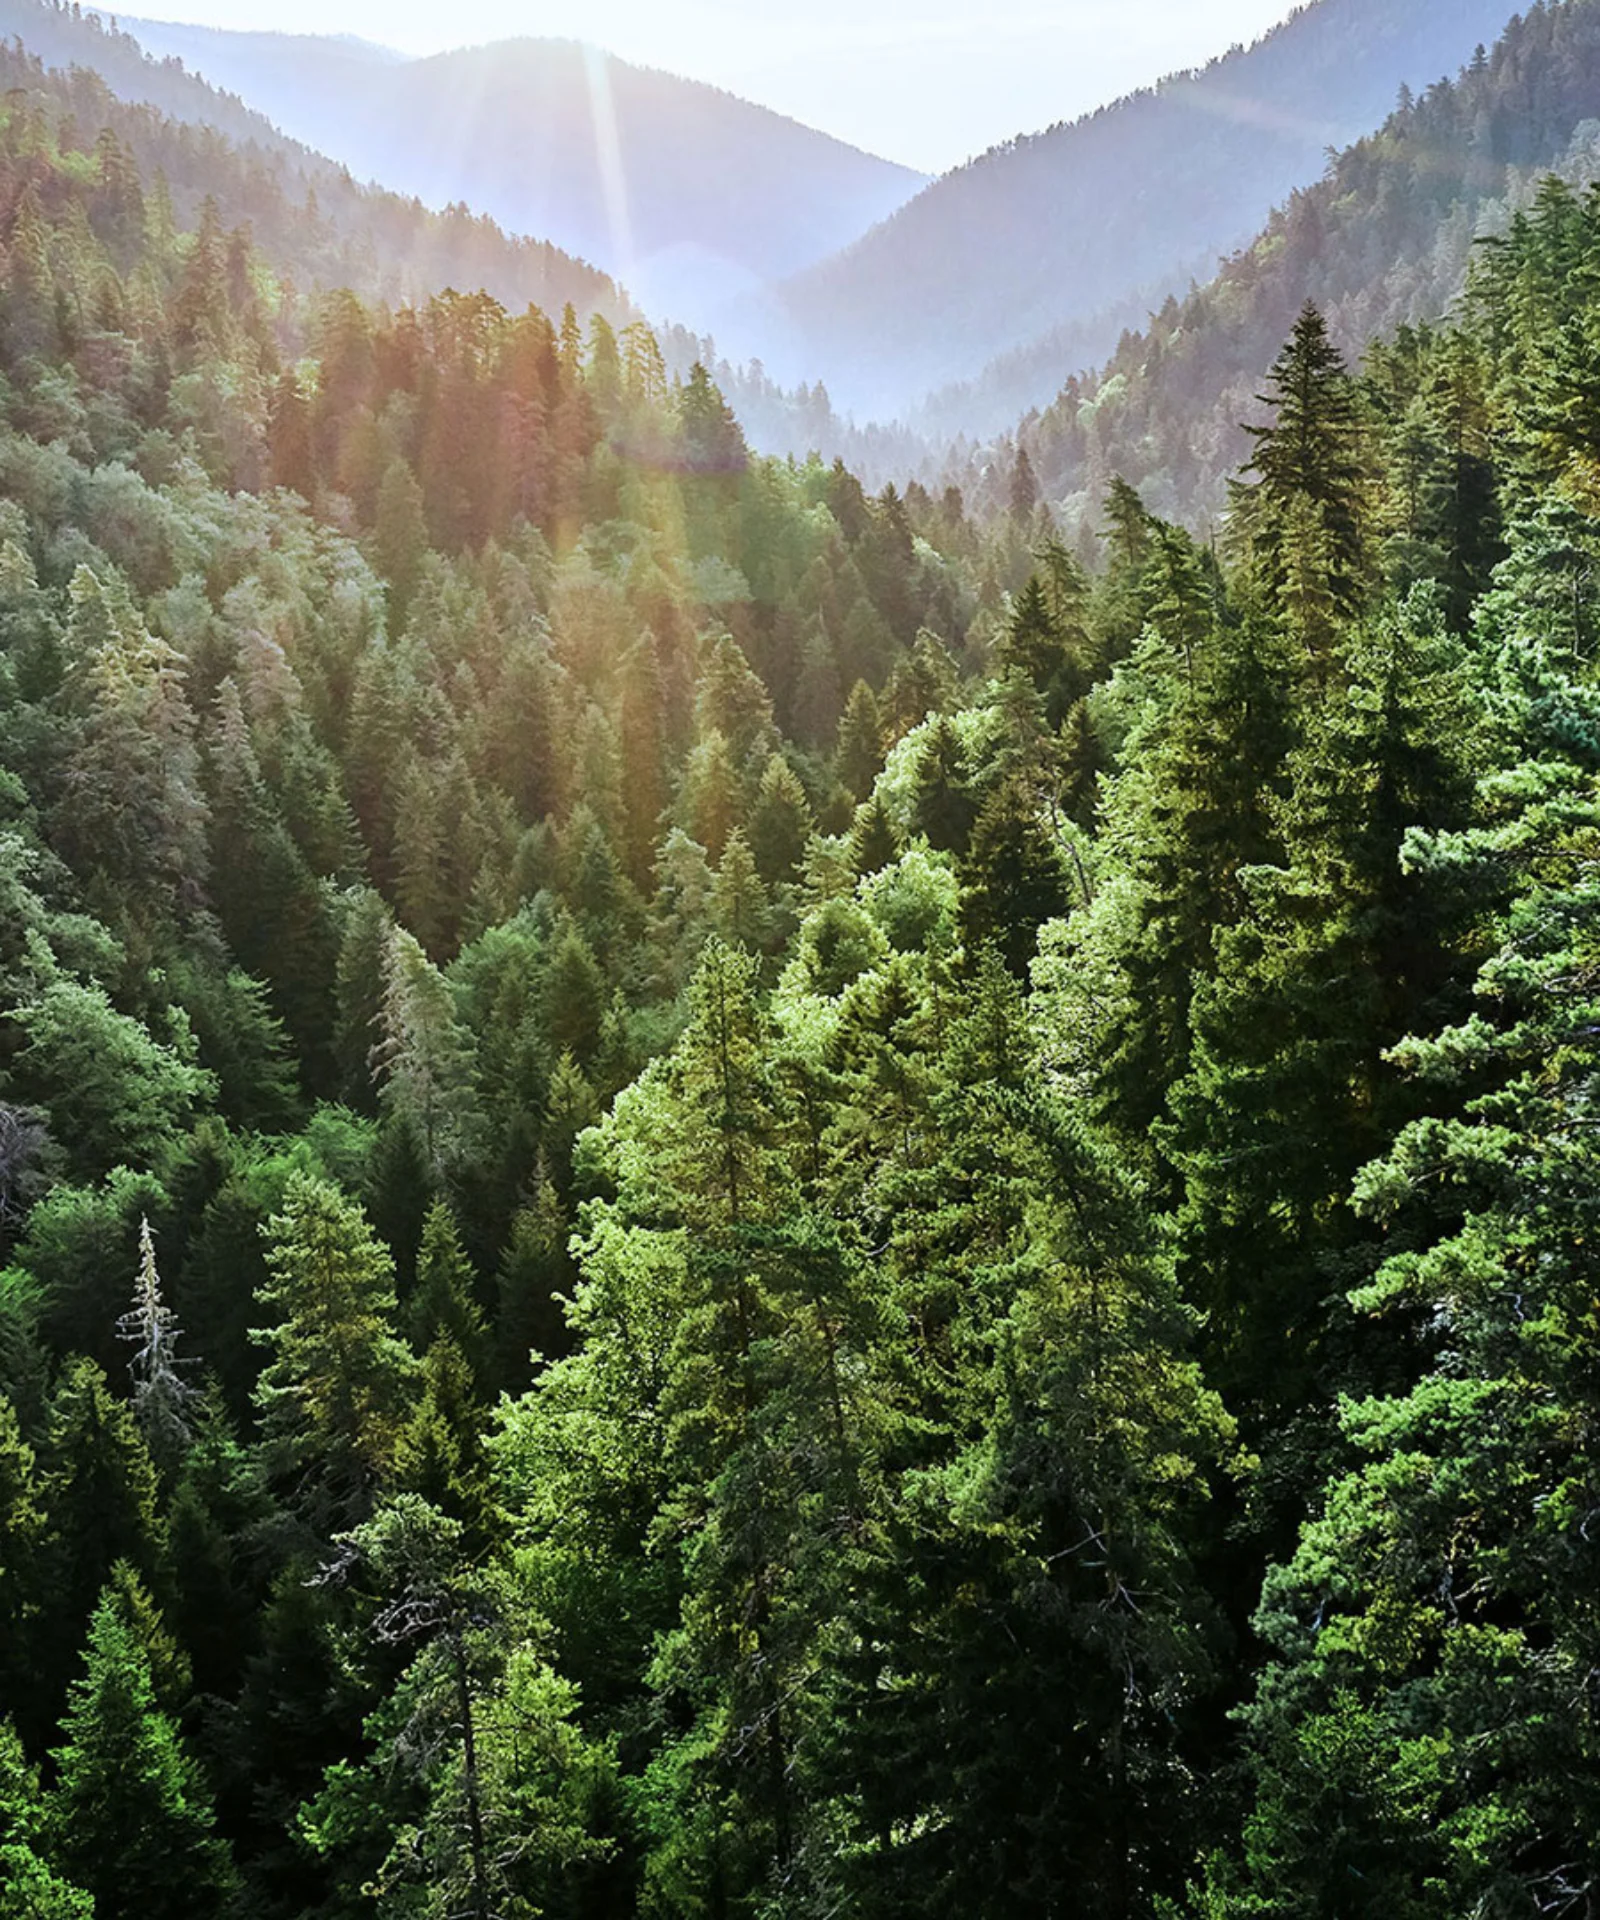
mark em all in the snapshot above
pixel 1054 231
pixel 335 232
pixel 686 193
pixel 1383 241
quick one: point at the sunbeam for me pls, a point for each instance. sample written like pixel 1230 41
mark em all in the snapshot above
pixel 608 157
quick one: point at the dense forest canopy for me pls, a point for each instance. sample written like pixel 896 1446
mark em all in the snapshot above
pixel 723 1196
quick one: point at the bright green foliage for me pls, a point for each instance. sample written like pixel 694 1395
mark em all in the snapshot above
pixel 910 999
pixel 22 1528
pixel 748 1312
pixel 29 1889
pixel 81 1245
pixel 128 1816
pixel 334 1393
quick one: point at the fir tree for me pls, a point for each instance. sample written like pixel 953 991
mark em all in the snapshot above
pixel 332 1397
pixel 129 1817
pixel 1305 515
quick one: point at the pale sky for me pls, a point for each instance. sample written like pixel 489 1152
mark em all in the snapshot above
pixel 927 82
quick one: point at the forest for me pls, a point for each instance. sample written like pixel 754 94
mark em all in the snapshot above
pixel 729 1198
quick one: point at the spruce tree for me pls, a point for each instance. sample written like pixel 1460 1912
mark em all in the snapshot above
pixel 333 1395
pixel 129 1817
pixel 1304 516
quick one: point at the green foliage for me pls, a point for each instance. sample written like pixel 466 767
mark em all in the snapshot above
pixel 100 1494
pixel 128 1815
pixel 333 1394
pixel 1303 516
pixel 1439 1605
pixel 1014 1211
pixel 475 1797
pixel 29 1889
pixel 117 1094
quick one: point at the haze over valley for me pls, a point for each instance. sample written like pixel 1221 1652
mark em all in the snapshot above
pixel 954 304
pixel 800 962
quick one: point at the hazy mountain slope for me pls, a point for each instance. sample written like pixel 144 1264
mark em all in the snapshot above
pixel 1384 239
pixel 1064 226
pixel 685 192
pixel 63 38
pixel 380 244
pixel 310 212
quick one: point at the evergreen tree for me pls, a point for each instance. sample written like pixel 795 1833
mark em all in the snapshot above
pixel 423 1060
pixel 1016 876
pixel 100 1494
pixel 1026 1634
pixel 442 1304
pixel 1337 954
pixel 332 1397
pixel 1425 1715
pixel 475 1796
pixel 858 756
pixel 162 1398
pixel 129 1817
pixel 29 1889
pixel 1305 515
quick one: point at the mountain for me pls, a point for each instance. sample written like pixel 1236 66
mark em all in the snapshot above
pixel 1384 241
pixel 321 226
pixel 332 232
pixel 1057 230
pixel 686 193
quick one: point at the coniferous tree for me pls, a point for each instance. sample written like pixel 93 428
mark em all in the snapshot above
pixel 29 1888
pixel 129 1816
pixel 162 1397
pixel 333 1394
pixel 1438 1604
pixel 1304 517
pixel 475 1796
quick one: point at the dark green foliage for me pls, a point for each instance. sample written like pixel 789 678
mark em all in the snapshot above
pixel 971 1297
pixel 100 1492
pixel 128 1815
pixel 1302 519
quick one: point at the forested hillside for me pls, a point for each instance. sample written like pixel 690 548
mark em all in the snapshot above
pixel 321 228
pixel 325 231
pixel 1384 241
pixel 687 193
pixel 1061 229
pixel 723 1197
